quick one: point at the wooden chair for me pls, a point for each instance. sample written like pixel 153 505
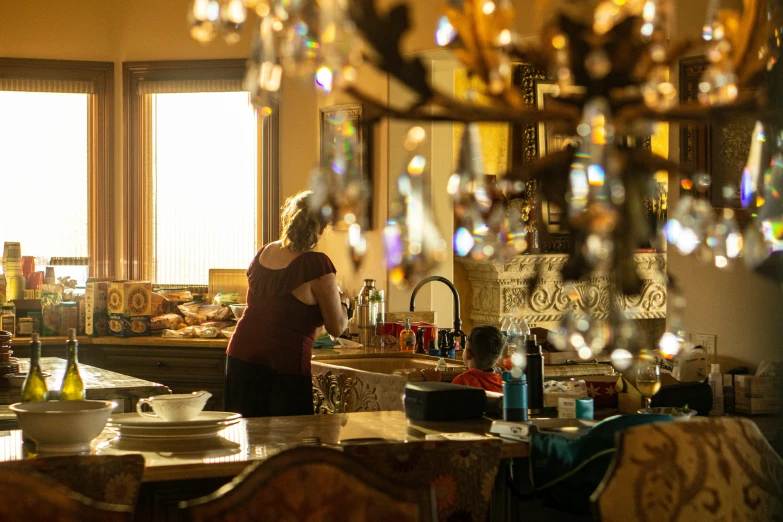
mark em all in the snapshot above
pixel 461 473
pixel 311 484
pixel 114 479
pixel 706 470
pixel 28 496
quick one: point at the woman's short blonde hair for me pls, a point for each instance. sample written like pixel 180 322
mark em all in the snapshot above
pixel 300 224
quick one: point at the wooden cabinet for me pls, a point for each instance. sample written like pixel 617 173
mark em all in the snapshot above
pixel 182 369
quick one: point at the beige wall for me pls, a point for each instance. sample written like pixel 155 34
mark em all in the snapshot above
pixel 743 309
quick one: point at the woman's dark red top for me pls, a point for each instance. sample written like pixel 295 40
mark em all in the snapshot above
pixel 277 330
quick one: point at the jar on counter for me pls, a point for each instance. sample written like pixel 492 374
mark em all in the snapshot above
pixel 36 318
pixel 24 327
pixel 68 317
pixel 8 318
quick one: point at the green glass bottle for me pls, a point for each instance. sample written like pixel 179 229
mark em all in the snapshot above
pixel 34 388
pixel 72 388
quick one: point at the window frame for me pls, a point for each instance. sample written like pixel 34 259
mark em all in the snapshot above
pixel 134 73
pixel 100 171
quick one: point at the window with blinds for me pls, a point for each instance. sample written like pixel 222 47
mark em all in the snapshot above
pixel 44 167
pixel 199 150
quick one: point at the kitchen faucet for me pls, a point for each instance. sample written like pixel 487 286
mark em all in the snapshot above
pixel 457 331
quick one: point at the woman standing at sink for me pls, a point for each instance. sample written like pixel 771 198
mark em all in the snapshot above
pixel 292 290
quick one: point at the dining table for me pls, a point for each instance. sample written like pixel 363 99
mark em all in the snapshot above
pixel 254 439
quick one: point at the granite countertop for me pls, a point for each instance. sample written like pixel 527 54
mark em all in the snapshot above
pixel 336 352
pixel 99 384
pixel 258 438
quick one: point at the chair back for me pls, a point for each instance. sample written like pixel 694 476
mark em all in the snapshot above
pixel 461 473
pixel 706 470
pixel 114 479
pixel 26 496
pixel 311 484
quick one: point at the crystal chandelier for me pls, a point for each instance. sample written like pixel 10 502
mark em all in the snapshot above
pixel 610 59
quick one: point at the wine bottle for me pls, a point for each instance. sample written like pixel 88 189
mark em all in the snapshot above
pixel 34 388
pixel 72 388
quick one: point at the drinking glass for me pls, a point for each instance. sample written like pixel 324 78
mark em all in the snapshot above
pixel 648 381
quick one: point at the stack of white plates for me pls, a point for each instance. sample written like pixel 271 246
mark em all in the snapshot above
pixel 207 424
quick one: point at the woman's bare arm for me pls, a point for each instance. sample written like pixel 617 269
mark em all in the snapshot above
pixel 327 293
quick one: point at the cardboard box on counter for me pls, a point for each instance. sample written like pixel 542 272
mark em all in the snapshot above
pixel 135 326
pixel 96 304
pixel 130 298
pixel 758 395
pixel 615 392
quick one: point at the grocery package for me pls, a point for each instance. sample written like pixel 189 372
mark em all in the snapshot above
pixel 133 326
pixel 166 322
pixel 50 321
pixel 160 305
pixel 226 299
pixel 198 313
pixel 205 332
pixel 130 298
pixel 554 390
pixel 68 317
pixel 130 306
pixel 176 296
pixel 96 304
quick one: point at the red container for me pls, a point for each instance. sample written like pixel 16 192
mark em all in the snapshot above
pixel 430 332
pixel 392 329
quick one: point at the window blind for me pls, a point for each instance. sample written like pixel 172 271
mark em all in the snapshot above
pixel 189 86
pixel 47 85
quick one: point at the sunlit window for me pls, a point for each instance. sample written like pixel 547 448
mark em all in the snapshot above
pixel 44 172
pixel 205 184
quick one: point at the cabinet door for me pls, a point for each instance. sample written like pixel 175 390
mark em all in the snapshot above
pixel 167 365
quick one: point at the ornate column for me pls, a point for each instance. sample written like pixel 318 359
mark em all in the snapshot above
pixel 532 284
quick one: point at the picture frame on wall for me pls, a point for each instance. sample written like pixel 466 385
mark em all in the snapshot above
pixel 549 139
pixel 330 126
pixel 720 148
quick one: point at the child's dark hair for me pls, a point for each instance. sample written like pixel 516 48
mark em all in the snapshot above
pixel 487 344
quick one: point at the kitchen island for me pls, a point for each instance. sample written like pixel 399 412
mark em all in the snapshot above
pixel 99 384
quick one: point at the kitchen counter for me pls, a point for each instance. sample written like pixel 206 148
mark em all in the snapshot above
pixel 218 344
pixel 99 384
pixel 258 438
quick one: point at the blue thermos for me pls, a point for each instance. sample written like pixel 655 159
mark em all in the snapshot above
pixel 514 397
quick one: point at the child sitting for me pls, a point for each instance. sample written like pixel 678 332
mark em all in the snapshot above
pixel 482 352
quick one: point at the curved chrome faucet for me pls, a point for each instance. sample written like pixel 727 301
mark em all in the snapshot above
pixel 457 320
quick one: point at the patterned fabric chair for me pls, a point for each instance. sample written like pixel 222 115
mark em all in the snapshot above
pixel 27 496
pixel 311 484
pixel 104 478
pixel 707 470
pixel 462 473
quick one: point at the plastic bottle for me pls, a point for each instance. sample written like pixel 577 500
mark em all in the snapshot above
pixel 514 397
pixel 513 336
pixel 441 365
pixel 505 325
pixel 716 383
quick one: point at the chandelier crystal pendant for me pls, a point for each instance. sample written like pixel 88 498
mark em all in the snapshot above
pixel 610 60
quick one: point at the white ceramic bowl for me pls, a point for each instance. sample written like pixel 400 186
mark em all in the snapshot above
pixel 16 380
pixel 238 309
pixel 175 407
pixel 63 426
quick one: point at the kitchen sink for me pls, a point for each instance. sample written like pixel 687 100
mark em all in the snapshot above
pixel 369 382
